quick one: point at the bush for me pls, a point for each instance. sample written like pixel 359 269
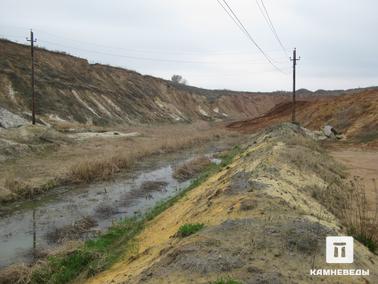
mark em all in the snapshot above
pixel 189 229
pixel 191 168
pixel 361 223
pixel 366 236
pixel 178 79
pixel 347 201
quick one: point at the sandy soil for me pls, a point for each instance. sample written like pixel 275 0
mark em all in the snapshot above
pixel 363 163
pixel 107 134
pixel 262 224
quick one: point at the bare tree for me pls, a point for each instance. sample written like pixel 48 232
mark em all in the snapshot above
pixel 178 79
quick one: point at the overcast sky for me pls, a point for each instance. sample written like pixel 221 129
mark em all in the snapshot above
pixel 336 39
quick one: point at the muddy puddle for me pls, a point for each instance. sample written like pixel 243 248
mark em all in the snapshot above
pixel 33 223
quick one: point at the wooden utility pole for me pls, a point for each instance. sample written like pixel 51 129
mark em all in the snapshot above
pixel 32 41
pixel 294 59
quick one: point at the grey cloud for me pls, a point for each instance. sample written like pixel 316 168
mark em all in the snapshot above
pixel 336 39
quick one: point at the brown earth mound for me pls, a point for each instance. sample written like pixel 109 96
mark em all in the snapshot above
pixel 355 115
pixel 265 220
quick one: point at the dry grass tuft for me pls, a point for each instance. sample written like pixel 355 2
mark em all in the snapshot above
pixel 191 168
pixel 306 142
pixel 23 274
pixel 308 156
pixel 105 210
pixel 26 190
pixel 88 170
pixel 104 168
pixel 348 202
pixel 149 186
pixel 17 186
pixel 361 222
pixel 16 274
pixel 71 232
pixel 98 158
pixel 345 199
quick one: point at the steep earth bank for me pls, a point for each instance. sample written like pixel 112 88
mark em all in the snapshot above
pixel 69 89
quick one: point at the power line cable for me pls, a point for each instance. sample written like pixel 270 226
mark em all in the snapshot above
pixel 147 50
pixel 245 31
pixel 268 19
pixel 142 58
pixel 268 23
pixel 130 56
pixel 231 16
pixel 264 15
pixel 139 50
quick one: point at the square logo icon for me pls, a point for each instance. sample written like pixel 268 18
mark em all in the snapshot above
pixel 339 250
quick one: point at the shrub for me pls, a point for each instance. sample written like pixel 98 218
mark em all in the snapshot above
pixel 348 202
pixel 191 168
pixel 362 224
pixel 71 231
pixel 189 229
pixel 178 79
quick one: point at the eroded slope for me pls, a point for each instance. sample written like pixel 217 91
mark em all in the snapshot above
pixel 355 115
pixel 263 221
pixel 69 89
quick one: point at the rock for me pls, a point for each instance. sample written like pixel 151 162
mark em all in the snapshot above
pixel 10 120
pixel 316 135
pixel 329 131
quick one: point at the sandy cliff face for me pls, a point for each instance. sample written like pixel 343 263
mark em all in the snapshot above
pixel 70 89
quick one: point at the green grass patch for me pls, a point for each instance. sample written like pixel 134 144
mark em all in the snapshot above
pixel 100 253
pixel 368 240
pixel 227 158
pixel 95 256
pixel 189 229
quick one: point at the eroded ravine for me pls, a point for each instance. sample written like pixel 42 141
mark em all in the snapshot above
pixel 105 202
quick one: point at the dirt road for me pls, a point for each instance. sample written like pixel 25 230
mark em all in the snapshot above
pixel 363 163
